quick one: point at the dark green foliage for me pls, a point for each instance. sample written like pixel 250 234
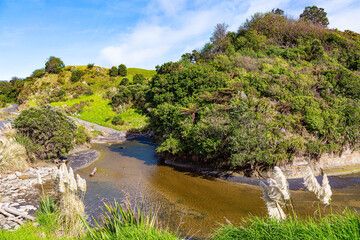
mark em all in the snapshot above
pixel 76 75
pixel 113 71
pixel 90 65
pixel 49 129
pixel 122 71
pixel 315 15
pixel 138 79
pixel 122 97
pixel 54 65
pixel 38 73
pixel 124 82
pixel 117 120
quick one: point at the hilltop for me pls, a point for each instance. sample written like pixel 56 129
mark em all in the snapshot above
pixel 276 89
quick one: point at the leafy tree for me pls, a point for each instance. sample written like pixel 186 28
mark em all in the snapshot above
pixel 38 73
pixel 124 82
pixel 278 11
pixel 315 15
pixel 113 71
pixel 76 75
pixel 54 65
pixel 138 79
pixel 49 131
pixel 122 71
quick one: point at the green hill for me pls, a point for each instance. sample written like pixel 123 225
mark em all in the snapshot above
pixel 88 98
pixel 276 89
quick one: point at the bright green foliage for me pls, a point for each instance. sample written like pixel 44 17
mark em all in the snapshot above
pixel 48 129
pixel 76 75
pixel 113 71
pixel 122 71
pixel 332 227
pixel 54 65
pixel 82 135
pixel 128 221
pixel 117 120
pixel 138 79
pixel 280 89
pixel 315 15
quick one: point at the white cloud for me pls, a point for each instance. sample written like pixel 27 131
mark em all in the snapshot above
pixel 171 28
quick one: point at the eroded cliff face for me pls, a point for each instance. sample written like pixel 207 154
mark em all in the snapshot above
pixel 332 164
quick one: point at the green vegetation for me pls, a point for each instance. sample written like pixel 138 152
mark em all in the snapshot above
pixel 334 226
pixel 76 75
pixel 122 70
pixel 45 131
pixel 276 89
pixel 54 65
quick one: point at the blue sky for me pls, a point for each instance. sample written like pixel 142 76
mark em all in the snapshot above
pixel 137 33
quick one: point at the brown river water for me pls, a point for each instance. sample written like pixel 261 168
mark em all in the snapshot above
pixel 191 203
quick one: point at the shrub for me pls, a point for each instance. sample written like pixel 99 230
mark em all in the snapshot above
pixel 117 120
pixel 113 71
pixel 82 135
pixel 122 71
pixel 90 65
pixel 123 96
pixel 138 79
pixel 48 128
pixel 54 65
pixel 38 73
pixel 76 75
pixel 124 82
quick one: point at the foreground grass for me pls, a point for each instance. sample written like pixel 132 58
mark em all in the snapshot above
pixel 345 226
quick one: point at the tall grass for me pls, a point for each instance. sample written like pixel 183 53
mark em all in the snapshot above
pixel 12 154
pixel 130 220
pixel 340 226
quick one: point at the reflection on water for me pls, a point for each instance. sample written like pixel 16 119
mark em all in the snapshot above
pixel 194 203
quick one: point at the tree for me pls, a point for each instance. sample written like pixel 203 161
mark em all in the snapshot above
pixel 278 11
pixel 138 79
pixel 47 132
pixel 315 15
pixel 113 71
pixel 54 65
pixel 219 38
pixel 122 70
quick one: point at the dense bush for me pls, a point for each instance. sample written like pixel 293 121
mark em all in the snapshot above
pixel 76 75
pixel 122 71
pixel 138 79
pixel 276 89
pixel 54 65
pixel 82 136
pixel 49 129
pixel 117 120
pixel 38 73
pixel 124 81
pixel 113 72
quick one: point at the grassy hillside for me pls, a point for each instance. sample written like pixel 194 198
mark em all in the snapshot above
pixel 88 98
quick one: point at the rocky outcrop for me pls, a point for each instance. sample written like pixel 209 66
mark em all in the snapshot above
pixel 332 164
pixel 20 191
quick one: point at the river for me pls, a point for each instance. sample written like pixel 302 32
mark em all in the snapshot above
pixel 192 203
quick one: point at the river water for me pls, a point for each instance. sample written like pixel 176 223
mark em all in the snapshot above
pixel 188 202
